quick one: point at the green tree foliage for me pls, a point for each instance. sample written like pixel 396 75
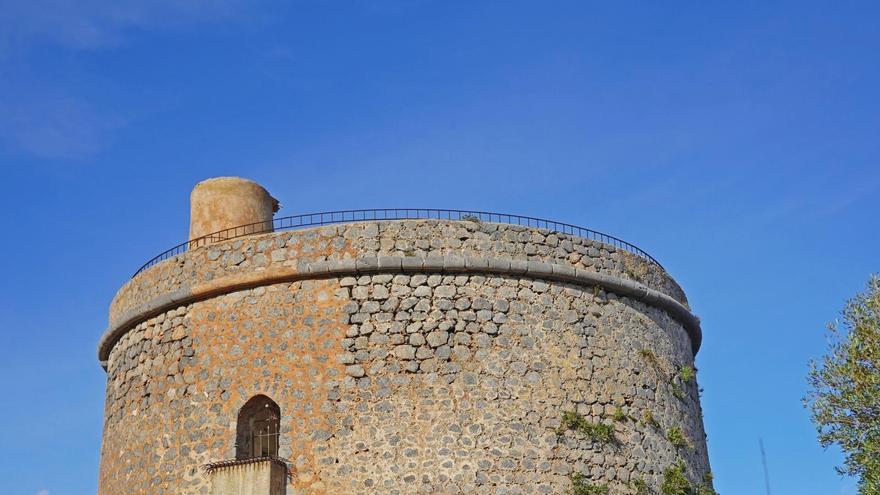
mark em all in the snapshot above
pixel 844 396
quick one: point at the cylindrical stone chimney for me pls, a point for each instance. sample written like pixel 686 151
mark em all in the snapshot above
pixel 230 207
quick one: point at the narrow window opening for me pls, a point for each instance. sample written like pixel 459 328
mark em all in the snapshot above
pixel 259 427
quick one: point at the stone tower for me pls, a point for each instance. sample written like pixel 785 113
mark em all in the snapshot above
pixel 462 354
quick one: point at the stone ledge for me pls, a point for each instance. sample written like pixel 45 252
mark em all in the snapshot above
pixel 348 241
pixel 396 264
pixel 260 476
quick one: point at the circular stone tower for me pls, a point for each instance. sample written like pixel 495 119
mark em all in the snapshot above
pixel 436 356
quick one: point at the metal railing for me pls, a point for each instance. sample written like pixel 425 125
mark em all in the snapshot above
pixel 349 216
pixel 284 463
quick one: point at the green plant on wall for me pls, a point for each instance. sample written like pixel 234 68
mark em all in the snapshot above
pixel 648 419
pixel 677 437
pixel 687 373
pixel 675 482
pixel 677 391
pixel 470 217
pixel 706 487
pixel 598 432
pixel 639 486
pixel 580 486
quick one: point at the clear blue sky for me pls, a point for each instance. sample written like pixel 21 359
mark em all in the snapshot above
pixel 737 142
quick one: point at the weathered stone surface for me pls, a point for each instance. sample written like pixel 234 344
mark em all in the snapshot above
pixel 413 382
pixel 512 245
pixel 227 202
pixel 258 478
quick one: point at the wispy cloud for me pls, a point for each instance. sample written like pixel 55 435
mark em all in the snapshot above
pixel 56 127
pixel 90 24
pixel 41 116
pixel 43 492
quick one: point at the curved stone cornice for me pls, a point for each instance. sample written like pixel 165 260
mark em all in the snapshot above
pixel 396 264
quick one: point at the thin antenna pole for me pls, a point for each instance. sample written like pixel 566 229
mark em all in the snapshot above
pixel 764 463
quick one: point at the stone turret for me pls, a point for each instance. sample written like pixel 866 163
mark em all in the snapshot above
pixel 228 203
pixel 433 355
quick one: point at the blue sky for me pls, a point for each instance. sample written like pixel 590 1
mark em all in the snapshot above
pixel 734 141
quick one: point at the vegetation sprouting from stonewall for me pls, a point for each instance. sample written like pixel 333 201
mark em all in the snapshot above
pixel 598 432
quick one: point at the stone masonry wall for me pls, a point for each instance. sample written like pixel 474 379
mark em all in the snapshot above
pixel 393 238
pixel 176 382
pixel 402 383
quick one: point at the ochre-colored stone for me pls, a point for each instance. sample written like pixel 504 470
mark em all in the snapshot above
pixel 229 203
pixel 399 381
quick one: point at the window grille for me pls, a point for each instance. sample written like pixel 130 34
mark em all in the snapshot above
pixel 265 443
pixel 259 429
